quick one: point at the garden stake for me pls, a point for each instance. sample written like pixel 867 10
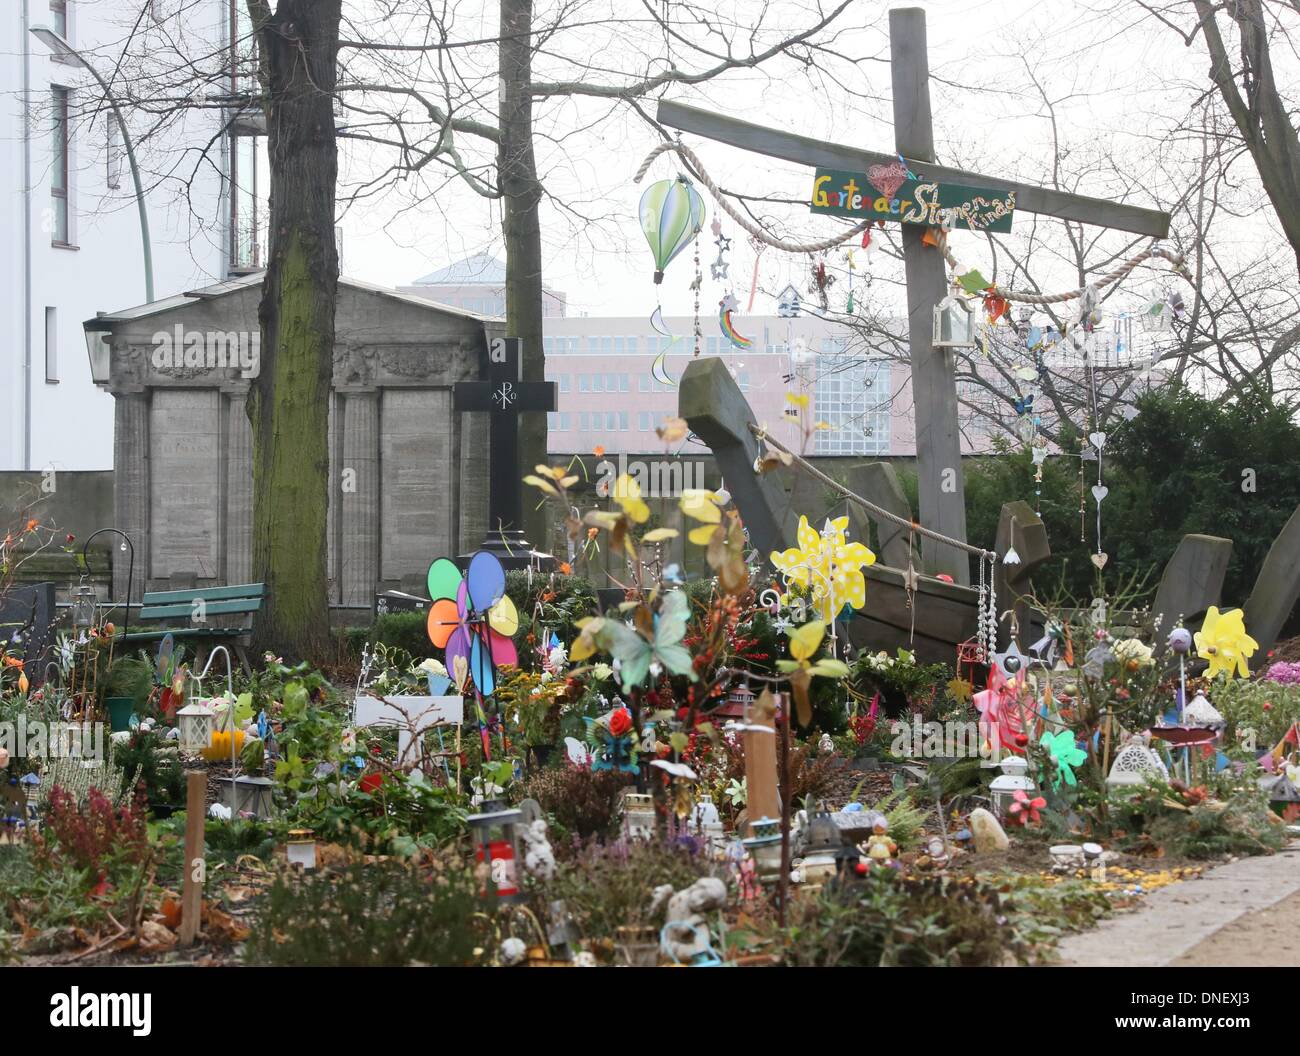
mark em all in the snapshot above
pixel 783 882
pixel 196 787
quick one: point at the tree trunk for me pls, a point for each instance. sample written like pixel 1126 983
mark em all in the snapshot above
pixel 521 194
pixel 289 401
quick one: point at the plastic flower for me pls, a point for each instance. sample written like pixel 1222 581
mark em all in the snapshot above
pixel 804 643
pixel 627 493
pixel 432 666
pixel 1065 753
pixel 1023 810
pixel 1223 641
pixel 620 722
pixel 827 564
pixel 704 506
pixel 1134 651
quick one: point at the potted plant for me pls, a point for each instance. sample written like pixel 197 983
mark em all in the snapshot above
pixel 126 690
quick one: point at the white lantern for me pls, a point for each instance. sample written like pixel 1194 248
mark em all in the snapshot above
pixel 1014 778
pixel 639 815
pixel 301 849
pixel 196 721
pixel 954 323
pixel 1200 712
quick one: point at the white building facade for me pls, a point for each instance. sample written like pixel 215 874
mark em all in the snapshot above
pixel 72 242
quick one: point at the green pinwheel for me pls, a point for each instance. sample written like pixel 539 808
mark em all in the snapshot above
pixel 1065 753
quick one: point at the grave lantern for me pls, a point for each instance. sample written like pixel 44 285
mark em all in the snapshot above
pixel 496 835
pixel 252 795
pixel 196 721
pixel 1014 778
pixel 765 845
pixel 301 848
pixel 639 815
pixel 84 603
pixel 954 323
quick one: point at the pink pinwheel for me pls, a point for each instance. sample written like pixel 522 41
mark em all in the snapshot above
pixel 1001 711
pixel 1023 810
pixel 472 617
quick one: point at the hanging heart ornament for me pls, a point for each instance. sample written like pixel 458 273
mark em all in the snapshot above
pixel 887 178
pixel 1099 559
pixel 1098 440
pixel 1099 492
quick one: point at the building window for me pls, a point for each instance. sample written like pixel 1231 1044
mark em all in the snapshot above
pixel 597 383
pixel 583 384
pixel 564 383
pixel 52 345
pixel 643 383
pixel 584 422
pixel 643 421
pixel 631 346
pixel 624 383
pixel 61 147
pixel 61 23
pixel 622 421
pixel 852 397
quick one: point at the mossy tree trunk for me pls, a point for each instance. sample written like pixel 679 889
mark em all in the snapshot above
pixel 289 401
pixel 521 192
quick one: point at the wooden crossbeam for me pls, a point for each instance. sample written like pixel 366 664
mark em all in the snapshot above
pixel 817 153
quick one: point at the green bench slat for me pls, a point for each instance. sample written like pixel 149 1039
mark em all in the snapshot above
pixel 215 608
pixel 187 632
pixel 239 590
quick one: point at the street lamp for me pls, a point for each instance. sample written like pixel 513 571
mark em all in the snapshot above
pixel 65 51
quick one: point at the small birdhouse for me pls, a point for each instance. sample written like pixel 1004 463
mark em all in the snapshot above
pixel 1134 764
pixel 788 303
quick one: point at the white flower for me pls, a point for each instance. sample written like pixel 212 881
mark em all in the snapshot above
pixel 557 658
pixel 432 666
pixel 601 671
pixel 1133 649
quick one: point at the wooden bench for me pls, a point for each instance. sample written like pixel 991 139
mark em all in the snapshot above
pixel 241 600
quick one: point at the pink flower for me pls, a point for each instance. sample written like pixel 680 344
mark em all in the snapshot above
pixel 1023 810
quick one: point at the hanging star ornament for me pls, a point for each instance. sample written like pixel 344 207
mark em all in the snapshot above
pixel 1011 661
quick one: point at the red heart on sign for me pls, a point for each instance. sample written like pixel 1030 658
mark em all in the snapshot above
pixel 887 178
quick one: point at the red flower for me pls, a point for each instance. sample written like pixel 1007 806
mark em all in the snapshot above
pixel 620 722
pixel 1023 810
pixel 370 783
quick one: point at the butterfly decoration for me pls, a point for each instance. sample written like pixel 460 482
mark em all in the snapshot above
pixel 615 741
pixel 472 618
pixel 1025 405
pixel 651 639
pixel 1065 753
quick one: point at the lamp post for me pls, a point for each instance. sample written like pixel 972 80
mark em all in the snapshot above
pixel 62 49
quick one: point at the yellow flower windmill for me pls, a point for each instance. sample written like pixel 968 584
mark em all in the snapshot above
pixel 828 566
pixel 1223 641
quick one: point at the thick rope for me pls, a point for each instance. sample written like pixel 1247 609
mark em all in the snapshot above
pixel 877 511
pixel 1019 296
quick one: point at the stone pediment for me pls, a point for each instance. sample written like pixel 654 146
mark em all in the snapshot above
pixel 212 336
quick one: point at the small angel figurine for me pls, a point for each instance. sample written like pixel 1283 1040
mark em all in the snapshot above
pixel 880 848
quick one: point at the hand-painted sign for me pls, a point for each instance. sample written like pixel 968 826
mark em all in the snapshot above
pixel 886 194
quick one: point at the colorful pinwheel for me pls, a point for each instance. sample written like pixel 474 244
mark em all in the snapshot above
pixel 1223 641
pixel 1023 810
pixel 1001 712
pixel 672 213
pixel 829 565
pixel 472 618
pixel 1065 753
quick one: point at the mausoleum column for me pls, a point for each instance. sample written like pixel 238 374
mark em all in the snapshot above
pixel 239 489
pixel 357 494
pixel 131 487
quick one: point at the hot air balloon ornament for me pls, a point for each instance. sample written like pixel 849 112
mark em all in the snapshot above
pixel 672 214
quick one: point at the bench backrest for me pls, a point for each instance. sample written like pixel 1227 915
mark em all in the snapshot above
pixel 242 598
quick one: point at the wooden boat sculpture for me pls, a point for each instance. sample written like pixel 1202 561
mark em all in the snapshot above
pixel 942 615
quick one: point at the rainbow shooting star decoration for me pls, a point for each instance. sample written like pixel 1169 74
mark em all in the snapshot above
pixel 726 306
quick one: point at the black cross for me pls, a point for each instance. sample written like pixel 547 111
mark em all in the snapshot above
pixel 504 395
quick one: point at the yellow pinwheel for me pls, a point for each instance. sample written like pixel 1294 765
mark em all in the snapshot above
pixel 828 565
pixel 1223 641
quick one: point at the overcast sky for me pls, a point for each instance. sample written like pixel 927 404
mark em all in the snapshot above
pixel 1117 85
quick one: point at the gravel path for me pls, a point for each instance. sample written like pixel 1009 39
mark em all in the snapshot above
pixel 1240 914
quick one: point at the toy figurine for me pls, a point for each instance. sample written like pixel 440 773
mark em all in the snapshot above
pixel 880 848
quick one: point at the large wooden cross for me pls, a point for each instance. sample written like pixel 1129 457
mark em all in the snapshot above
pixel 934 385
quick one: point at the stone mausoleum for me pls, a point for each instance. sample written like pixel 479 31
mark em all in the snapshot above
pixel 408 477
